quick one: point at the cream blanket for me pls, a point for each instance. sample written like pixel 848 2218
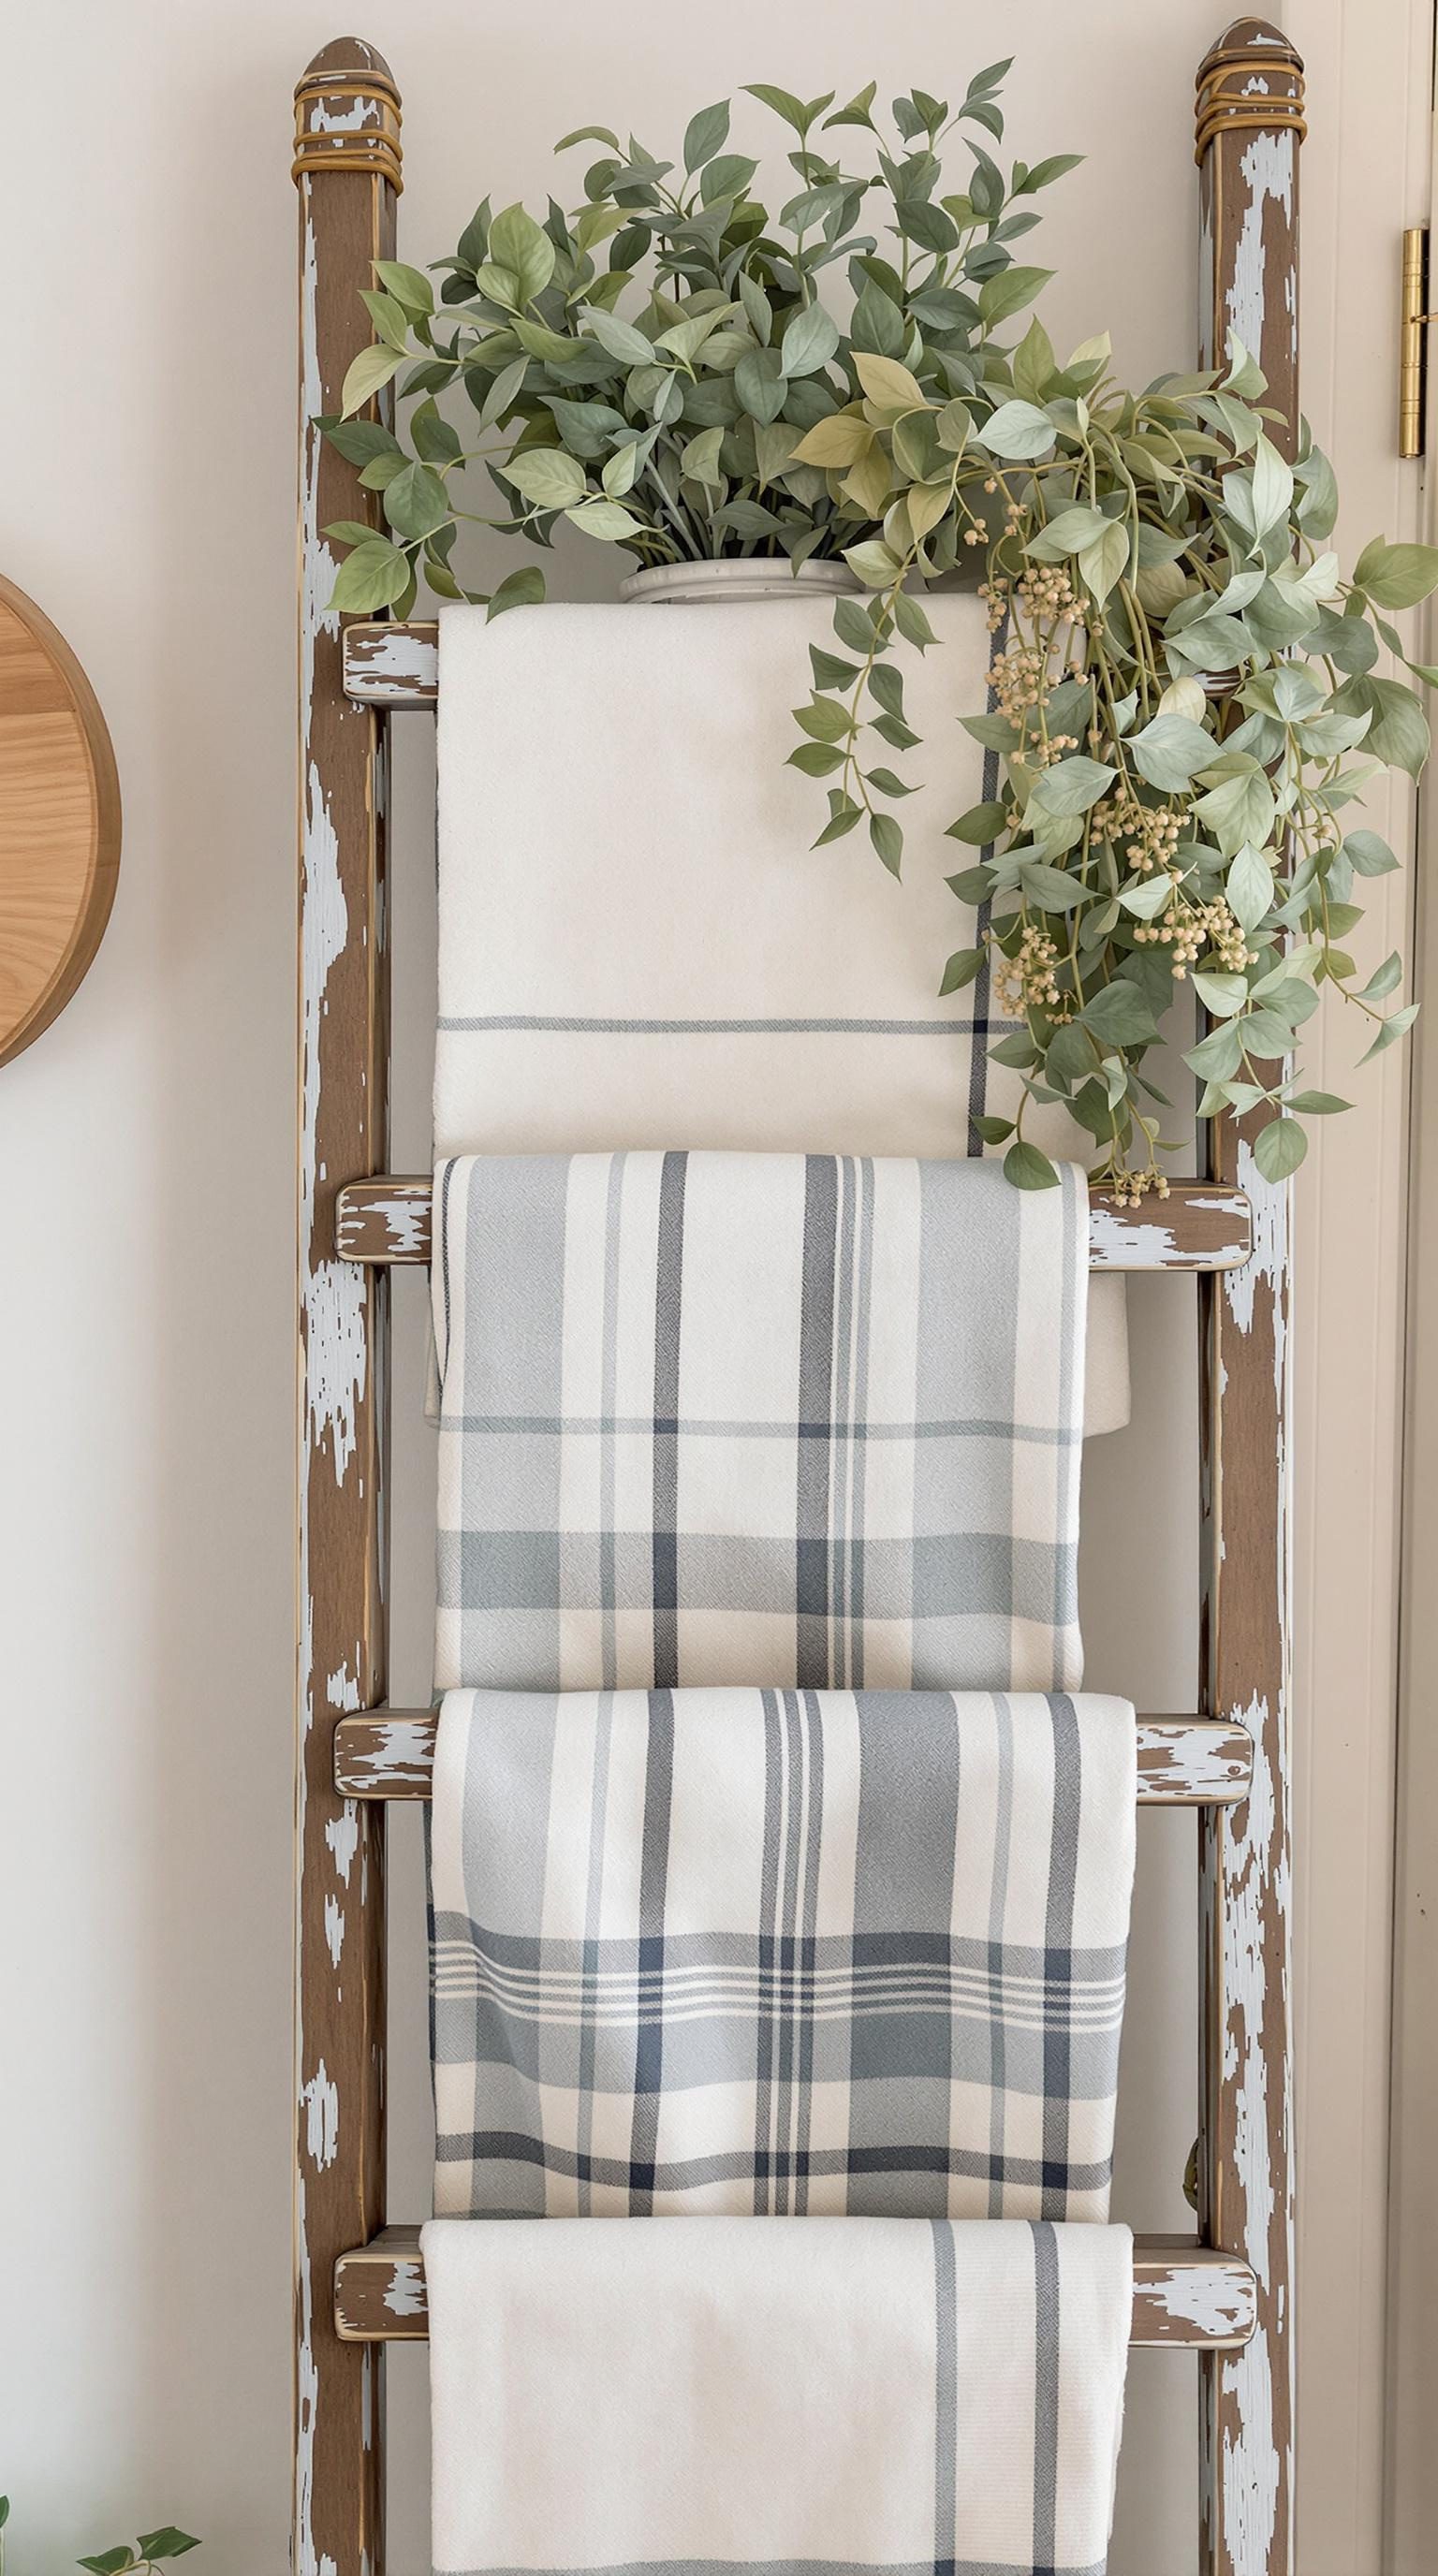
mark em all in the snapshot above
pixel 638 945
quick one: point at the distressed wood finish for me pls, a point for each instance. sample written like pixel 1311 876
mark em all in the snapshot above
pixel 1183 2293
pixel 1182 1761
pixel 1197 1227
pixel 1250 99
pixel 59 822
pixel 347 117
pixel 392 665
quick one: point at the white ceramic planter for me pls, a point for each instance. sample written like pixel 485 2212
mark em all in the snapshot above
pixel 689 585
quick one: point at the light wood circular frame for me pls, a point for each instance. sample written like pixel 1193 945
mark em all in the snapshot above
pixel 59 822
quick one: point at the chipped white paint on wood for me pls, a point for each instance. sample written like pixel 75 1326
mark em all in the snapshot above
pixel 387 1220
pixel 393 666
pixel 1184 2297
pixel 1182 1761
pixel 1143 1238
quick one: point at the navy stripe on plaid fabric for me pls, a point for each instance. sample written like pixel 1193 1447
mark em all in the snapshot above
pixel 779 1952
pixel 805 1421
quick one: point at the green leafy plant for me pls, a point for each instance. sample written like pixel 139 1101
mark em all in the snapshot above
pixel 1183 701
pixel 149 2551
pixel 672 428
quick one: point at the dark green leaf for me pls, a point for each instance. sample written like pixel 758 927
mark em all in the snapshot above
pixel 706 134
pixel 783 103
pixel 993 1130
pixel 816 759
pixel 888 840
pixel 964 965
pixel 980 825
pixel 522 589
pixel 971 885
pixel 111 2562
pixel 1010 291
pixel 1119 1013
pixel 1028 1169
pixel 168 2543
pixel 358 441
pixel 854 626
pixel 415 501
pixel 887 783
pixel 829 671
pixel 372 577
pixel 1317 1104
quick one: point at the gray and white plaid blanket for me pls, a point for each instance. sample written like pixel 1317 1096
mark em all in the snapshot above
pixel 801 1420
pixel 779 1952
pixel 824 2395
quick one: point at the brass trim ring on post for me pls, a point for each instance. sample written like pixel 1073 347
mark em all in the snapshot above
pixel 328 131
pixel 1227 104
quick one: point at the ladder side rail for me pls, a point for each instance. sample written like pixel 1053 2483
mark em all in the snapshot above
pixel 347 170
pixel 1249 128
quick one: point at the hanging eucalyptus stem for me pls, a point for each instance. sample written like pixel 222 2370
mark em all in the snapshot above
pixel 1180 680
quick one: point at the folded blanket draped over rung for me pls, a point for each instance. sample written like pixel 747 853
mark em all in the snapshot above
pixel 803 1421
pixel 816 2394
pixel 778 1952
pixel 638 945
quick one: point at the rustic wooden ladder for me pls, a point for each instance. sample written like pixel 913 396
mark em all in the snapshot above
pixel 359 2284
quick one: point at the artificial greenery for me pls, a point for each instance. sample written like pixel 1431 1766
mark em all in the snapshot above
pixel 671 429
pixel 1182 701
pixel 147 2554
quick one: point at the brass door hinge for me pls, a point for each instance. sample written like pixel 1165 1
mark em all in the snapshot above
pixel 1414 319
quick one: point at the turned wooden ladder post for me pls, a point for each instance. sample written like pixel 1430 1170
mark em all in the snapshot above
pixel 1249 128
pixel 347 167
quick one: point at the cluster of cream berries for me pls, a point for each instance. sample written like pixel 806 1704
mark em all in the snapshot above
pixel 1130 1187
pixel 1149 834
pixel 1026 980
pixel 1200 926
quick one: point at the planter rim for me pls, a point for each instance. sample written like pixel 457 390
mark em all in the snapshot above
pixel 736 577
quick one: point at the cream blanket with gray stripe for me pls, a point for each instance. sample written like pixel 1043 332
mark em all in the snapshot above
pixel 741 2398
pixel 638 945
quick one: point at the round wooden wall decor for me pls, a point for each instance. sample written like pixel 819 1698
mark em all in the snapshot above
pixel 59 822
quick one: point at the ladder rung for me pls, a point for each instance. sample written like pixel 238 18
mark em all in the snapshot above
pixel 1182 1761
pixel 387 664
pixel 1183 2293
pixel 1197 1227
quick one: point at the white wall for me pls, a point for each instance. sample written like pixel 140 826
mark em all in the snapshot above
pixel 146 1369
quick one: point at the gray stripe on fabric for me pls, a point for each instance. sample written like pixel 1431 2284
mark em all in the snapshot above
pixel 668 1315
pixel 998 1908
pixel 1074 1277
pixel 816 1398
pixel 842 1447
pixel 982 1024
pixel 946 2394
pixel 863 1430
pixel 767 2012
pixel 653 1884
pixel 493 2149
pixel 1047 2328
pixel 609 1361
pixel 521 1023
pixel 687 1426
pixel 593 1916
pixel 442 1255
pixel 1059 1932
pixel 814 1738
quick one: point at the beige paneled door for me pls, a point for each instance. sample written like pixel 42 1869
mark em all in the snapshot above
pixel 1116 82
